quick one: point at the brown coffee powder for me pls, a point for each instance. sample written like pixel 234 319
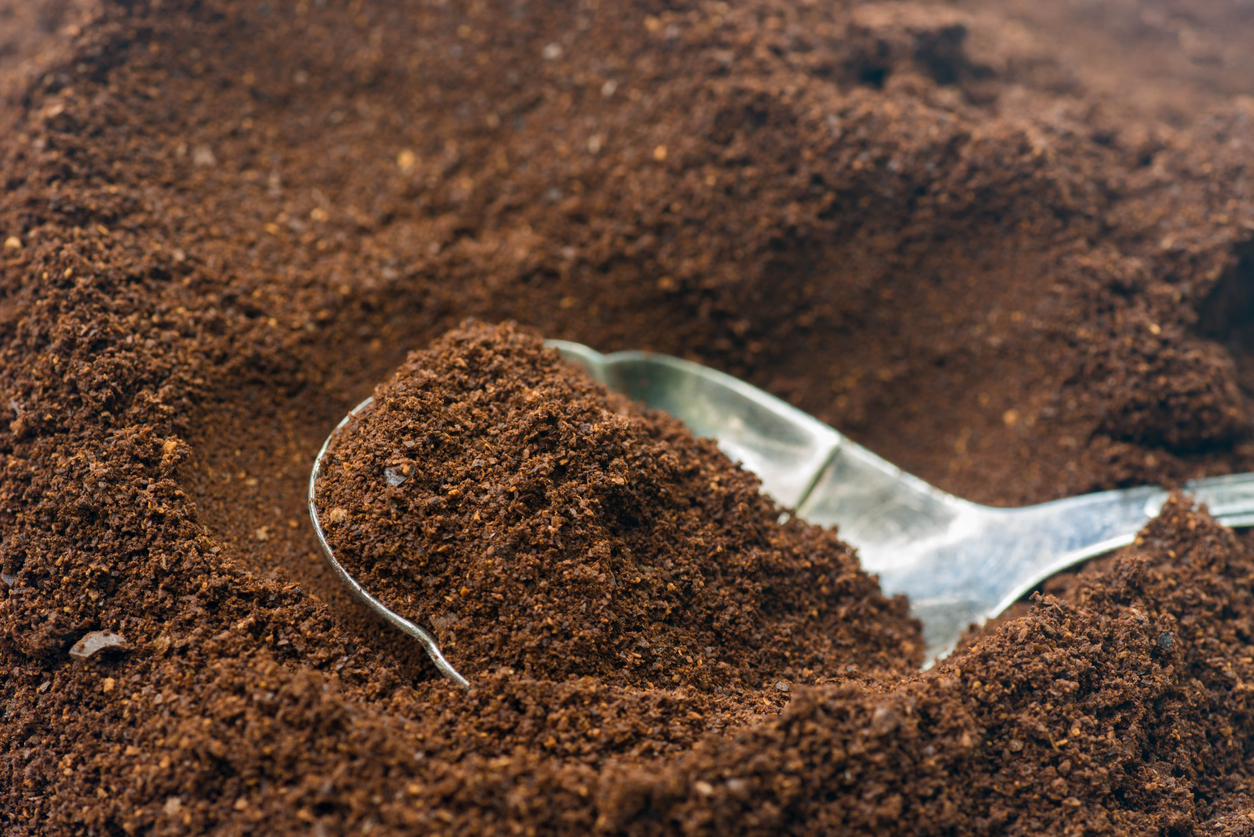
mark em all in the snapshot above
pixel 1006 245
pixel 1123 710
pixel 494 494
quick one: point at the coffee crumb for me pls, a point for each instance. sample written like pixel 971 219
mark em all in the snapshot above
pixel 95 642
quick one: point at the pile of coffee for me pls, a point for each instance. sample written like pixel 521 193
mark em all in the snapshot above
pixel 1124 708
pixel 505 501
pixel 1006 245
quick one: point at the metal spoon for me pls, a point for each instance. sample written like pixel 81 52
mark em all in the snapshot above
pixel 959 563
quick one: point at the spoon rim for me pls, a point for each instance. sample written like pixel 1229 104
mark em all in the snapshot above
pixel 413 630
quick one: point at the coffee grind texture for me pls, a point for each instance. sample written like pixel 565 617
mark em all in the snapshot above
pixel 1005 245
pixel 515 509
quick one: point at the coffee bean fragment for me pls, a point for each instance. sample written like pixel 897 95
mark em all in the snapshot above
pixel 97 641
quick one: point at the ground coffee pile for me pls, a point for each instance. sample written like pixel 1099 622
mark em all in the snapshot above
pixel 531 521
pixel 1008 246
pixel 1126 709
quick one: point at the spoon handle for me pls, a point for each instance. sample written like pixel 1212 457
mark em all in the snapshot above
pixel 1230 498
pixel 961 563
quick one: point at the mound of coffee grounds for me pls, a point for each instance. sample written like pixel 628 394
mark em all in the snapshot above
pixel 1005 245
pixel 1125 709
pixel 500 497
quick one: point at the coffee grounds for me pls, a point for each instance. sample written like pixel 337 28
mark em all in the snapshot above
pixel 501 498
pixel 1005 245
pixel 1123 710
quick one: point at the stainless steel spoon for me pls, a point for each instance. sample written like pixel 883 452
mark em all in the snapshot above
pixel 959 563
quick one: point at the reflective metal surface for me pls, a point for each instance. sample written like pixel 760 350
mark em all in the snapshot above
pixel 958 562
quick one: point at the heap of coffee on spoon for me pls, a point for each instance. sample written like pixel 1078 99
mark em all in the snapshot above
pixel 581 560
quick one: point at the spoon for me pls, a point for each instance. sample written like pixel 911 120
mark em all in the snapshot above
pixel 958 562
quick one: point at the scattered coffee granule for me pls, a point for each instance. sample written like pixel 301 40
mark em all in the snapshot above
pixel 501 498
